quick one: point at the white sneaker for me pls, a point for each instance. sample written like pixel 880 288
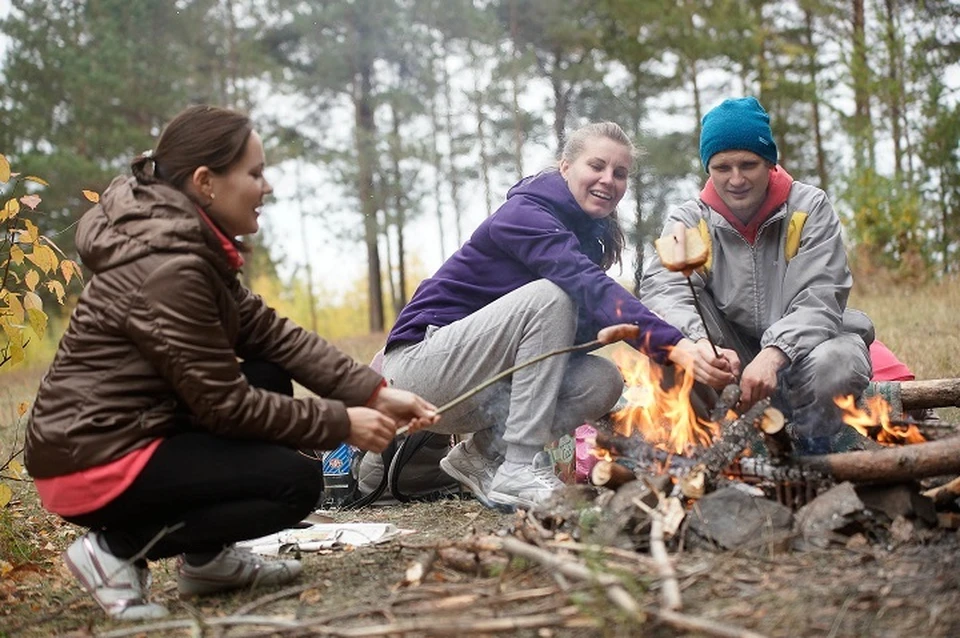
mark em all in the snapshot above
pixel 234 568
pixel 468 465
pixel 521 485
pixel 117 585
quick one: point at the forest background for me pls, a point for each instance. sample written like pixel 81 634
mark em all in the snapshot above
pixel 394 126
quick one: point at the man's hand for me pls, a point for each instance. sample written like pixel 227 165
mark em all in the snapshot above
pixel 759 379
pixel 708 368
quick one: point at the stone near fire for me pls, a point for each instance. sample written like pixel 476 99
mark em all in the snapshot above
pixel 900 499
pixel 831 517
pixel 732 518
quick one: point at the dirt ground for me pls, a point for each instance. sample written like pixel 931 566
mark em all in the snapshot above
pixel 870 590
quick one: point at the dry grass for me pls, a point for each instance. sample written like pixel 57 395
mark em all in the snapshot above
pixel 921 324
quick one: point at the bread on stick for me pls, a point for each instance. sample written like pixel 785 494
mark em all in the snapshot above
pixel 682 250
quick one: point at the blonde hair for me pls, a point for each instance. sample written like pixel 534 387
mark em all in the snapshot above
pixel 610 130
pixel 612 238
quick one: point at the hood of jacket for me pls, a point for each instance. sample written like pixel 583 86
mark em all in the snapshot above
pixel 133 220
pixel 550 189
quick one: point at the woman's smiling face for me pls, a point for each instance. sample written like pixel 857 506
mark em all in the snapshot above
pixel 240 191
pixel 597 177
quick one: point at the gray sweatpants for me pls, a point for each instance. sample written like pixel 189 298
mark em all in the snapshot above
pixel 807 388
pixel 519 415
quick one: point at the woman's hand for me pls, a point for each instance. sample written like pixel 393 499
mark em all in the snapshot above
pixel 708 368
pixel 406 408
pixel 370 430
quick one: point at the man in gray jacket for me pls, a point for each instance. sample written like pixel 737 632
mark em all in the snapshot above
pixel 774 289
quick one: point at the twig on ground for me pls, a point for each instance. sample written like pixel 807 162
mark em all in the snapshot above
pixel 670 589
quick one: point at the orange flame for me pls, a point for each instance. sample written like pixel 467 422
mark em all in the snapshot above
pixel 874 421
pixel 664 417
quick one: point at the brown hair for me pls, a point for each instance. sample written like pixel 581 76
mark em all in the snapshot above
pixel 612 238
pixel 198 136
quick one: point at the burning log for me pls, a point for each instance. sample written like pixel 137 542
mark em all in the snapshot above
pixel 611 475
pixel 733 440
pixel 774 429
pixel 638 451
pixel 890 464
pixel 728 400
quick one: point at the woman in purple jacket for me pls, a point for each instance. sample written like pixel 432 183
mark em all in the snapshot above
pixel 532 279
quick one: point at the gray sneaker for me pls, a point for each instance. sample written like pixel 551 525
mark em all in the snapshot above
pixel 234 568
pixel 468 465
pixel 525 485
pixel 117 585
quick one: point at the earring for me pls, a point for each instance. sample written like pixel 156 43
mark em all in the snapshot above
pixel 213 196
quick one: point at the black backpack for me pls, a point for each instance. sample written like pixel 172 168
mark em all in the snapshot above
pixel 413 474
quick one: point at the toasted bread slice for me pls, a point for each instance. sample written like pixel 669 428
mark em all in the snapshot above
pixel 682 250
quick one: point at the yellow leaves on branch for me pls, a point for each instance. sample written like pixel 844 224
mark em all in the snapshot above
pixel 30 264
pixel 10 210
pixel 44 258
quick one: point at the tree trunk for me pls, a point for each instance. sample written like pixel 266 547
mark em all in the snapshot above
pixel 308 266
pixel 515 93
pixel 435 127
pixel 365 132
pixel 815 103
pixel 894 90
pixel 561 104
pixel 860 71
pixel 398 292
pixel 478 102
pixel 453 177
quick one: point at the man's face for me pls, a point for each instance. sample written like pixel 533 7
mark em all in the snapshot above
pixel 741 179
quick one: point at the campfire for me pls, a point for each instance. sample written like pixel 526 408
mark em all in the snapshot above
pixel 717 472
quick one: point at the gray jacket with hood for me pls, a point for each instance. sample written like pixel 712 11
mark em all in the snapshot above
pixel 790 295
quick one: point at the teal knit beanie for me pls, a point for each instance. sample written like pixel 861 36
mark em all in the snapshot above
pixel 737 124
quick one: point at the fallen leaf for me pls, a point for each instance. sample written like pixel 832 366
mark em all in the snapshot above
pixel 5 494
pixel 92 196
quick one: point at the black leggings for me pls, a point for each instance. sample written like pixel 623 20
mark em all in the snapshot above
pixel 215 490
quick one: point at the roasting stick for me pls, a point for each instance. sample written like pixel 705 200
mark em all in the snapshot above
pixel 706 328
pixel 610 334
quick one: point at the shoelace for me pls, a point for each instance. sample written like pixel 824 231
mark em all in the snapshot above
pixel 547 477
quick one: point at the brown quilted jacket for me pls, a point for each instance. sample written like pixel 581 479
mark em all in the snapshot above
pixel 152 347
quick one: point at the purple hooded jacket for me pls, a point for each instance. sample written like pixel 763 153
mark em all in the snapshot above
pixel 540 232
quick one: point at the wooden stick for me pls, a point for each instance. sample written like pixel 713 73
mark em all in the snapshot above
pixel 706 328
pixel 574 569
pixel 606 336
pixel 670 589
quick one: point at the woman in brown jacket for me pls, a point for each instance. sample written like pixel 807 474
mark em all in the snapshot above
pixel 166 423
